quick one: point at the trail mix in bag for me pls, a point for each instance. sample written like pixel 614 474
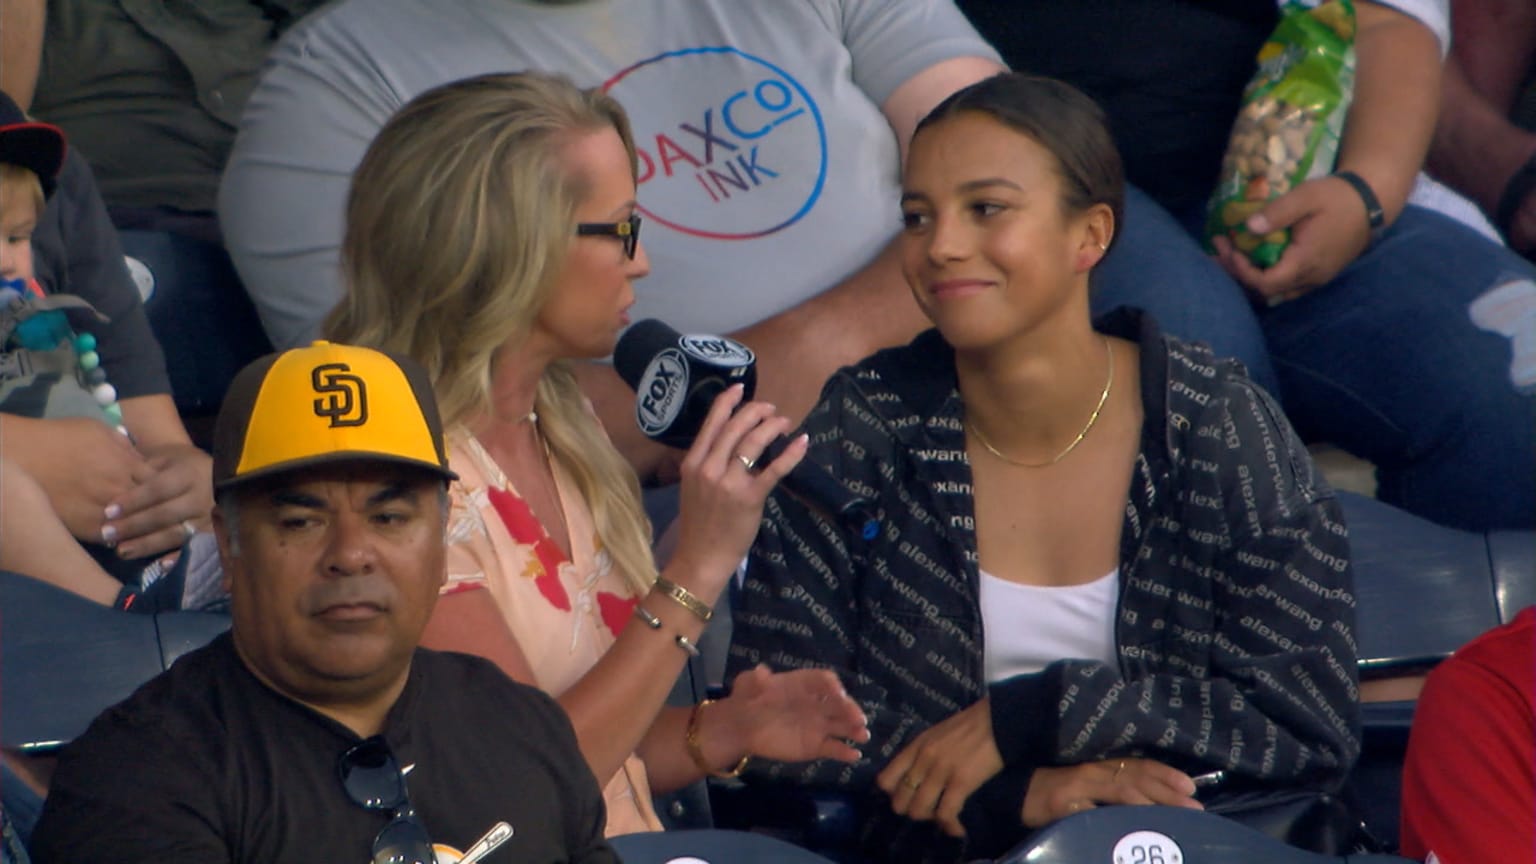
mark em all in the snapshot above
pixel 1287 130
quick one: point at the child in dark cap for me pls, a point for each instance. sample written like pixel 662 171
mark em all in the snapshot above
pixel 101 485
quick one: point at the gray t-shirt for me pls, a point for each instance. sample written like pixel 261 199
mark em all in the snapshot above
pixel 768 172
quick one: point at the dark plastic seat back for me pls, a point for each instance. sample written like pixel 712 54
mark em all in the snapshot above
pixel 1422 590
pixel 63 659
pixel 710 847
pixel 1513 556
pixel 181 632
pixel 1159 835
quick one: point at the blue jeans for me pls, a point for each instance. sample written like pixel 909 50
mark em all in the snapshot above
pixel 1386 361
pixel 21 806
pixel 1156 265
pixel 200 314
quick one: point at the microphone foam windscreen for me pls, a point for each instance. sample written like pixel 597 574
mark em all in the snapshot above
pixel 639 344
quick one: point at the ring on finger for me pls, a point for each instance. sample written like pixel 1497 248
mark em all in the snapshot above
pixel 187 529
pixel 749 464
pixel 910 783
pixel 1118 769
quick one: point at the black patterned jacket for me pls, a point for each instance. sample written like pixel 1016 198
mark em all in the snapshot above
pixel 1236 610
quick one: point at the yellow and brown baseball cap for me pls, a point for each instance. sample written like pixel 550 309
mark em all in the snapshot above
pixel 326 403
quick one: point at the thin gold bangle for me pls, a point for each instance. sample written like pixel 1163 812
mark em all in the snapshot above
pixel 696 749
pixel 685 598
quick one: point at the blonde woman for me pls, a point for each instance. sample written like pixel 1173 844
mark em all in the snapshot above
pixel 492 234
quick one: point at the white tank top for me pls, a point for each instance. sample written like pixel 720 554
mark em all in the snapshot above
pixel 1028 627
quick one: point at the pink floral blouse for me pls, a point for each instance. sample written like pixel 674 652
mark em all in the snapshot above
pixel 563 613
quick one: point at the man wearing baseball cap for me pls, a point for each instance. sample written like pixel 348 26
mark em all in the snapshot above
pixel 291 737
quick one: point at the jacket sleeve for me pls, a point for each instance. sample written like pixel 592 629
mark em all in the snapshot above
pixel 799 609
pixel 1271 692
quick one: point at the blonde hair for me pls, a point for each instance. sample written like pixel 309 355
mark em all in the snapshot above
pixel 14 180
pixel 458 223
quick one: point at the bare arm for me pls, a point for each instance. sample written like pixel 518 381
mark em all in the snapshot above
pixel 1397 100
pixel 1477 148
pixel 613 704
pixel 642 663
pixel 797 715
pixel 922 92
pixel 21 47
pixel 793 716
pixel 35 542
pixel 153 422
pixel 800 347
pixel 80 462
pixel 1386 137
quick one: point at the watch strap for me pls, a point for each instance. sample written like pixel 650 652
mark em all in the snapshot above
pixel 1374 214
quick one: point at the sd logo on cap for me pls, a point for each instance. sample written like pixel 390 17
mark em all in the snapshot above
pixel 326 403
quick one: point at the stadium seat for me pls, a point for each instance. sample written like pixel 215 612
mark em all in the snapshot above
pixel 1422 591
pixel 1162 835
pixel 1512 555
pixel 63 658
pixel 199 312
pixel 709 846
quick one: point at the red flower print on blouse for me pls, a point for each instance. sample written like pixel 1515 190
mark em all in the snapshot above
pixel 526 529
pixel 616 610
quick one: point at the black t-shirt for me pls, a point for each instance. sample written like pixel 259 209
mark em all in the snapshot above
pixel 1169 73
pixel 206 764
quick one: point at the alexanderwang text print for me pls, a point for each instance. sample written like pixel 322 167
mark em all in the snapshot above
pixel 1236 612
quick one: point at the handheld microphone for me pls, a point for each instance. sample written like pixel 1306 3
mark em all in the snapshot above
pixel 676 379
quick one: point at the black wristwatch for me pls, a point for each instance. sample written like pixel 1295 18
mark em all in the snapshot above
pixel 1374 215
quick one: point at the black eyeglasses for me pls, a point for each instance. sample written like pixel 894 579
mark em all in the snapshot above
pixel 628 231
pixel 374 781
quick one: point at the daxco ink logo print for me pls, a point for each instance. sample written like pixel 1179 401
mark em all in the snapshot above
pixel 345 399
pixel 738 150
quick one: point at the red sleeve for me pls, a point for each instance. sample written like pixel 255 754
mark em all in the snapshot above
pixel 1469 780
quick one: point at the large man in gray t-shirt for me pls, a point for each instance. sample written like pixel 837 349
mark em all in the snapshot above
pixel 769 135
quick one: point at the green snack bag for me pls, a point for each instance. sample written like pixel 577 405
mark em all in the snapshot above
pixel 1287 130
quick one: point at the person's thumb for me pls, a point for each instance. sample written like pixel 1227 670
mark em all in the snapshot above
pixel 1279 213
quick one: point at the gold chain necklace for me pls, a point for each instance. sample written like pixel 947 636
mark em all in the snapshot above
pixel 1109 382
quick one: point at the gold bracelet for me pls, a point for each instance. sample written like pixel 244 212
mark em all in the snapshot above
pixel 685 598
pixel 696 750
